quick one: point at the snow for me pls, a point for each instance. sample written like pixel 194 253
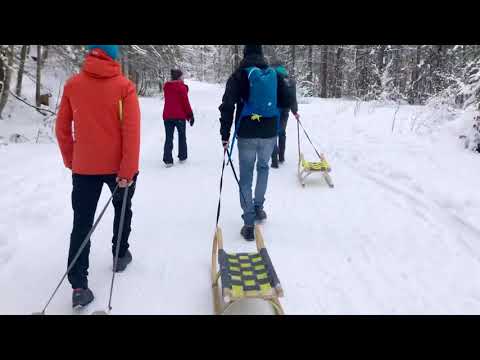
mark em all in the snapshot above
pixel 397 235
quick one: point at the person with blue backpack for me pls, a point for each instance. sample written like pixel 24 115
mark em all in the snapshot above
pixel 254 92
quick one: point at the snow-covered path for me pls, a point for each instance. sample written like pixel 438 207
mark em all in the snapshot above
pixel 397 235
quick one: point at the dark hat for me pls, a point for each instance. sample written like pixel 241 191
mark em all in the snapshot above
pixel 252 49
pixel 176 74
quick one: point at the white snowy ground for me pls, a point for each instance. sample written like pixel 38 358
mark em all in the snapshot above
pixel 397 235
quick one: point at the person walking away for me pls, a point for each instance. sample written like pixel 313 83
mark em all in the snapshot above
pixel 278 155
pixel 98 132
pixel 256 91
pixel 176 112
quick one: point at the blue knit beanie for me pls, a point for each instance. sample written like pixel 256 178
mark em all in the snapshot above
pixel 111 50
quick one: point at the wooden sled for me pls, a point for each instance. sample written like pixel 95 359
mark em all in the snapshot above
pixel 306 168
pixel 243 276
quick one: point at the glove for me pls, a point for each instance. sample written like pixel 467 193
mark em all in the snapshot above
pixel 192 120
pixel 297 116
pixel 225 144
pixel 123 183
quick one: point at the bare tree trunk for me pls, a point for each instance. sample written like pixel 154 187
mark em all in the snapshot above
pixel 358 71
pixel 380 61
pixel 39 73
pixel 204 63
pixel 310 63
pixel 2 73
pixel 323 72
pixel 21 67
pixel 44 54
pixel 338 72
pixel 236 57
pixel 125 62
pixel 292 60
pixel 413 97
pixel 7 77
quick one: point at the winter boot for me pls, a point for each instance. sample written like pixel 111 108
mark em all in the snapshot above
pixel 81 297
pixel 248 232
pixel 274 163
pixel 260 214
pixel 123 262
pixel 281 149
pixel 168 165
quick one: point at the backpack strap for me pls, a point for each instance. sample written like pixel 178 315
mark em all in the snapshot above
pixel 251 70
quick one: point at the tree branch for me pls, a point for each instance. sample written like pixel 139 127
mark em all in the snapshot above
pixel 33 106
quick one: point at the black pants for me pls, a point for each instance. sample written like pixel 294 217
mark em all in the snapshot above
pixel 85 195
pixel 170 126
pixel 279 149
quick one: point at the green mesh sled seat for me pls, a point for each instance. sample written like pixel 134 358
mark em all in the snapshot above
pixel 243 275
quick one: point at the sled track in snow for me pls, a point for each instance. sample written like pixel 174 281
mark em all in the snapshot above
pixel 430 206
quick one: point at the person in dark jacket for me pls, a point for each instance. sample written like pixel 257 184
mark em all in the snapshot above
pixel 256 139
pixel 279 150
pixel 176 112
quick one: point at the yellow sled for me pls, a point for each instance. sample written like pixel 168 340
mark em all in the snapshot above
pixel 306 168
pixel 243 276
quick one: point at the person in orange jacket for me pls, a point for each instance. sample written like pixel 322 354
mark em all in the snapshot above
pixel 98 132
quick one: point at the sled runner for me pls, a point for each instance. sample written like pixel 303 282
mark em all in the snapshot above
pixel 306 168
pixel 243 275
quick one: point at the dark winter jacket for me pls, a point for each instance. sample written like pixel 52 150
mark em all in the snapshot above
pixel 177 106
pixel 236 94
pixel 292 92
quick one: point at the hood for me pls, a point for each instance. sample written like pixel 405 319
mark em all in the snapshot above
pixel 99 65
pixel 175 85
pixel 252 49
pixel 254 60
pixel 281 69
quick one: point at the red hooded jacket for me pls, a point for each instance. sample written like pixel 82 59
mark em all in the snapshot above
pixel 177 106
pixel 102 106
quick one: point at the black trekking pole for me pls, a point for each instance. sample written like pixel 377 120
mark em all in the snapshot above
pixel 221 187
pixel 79 251
pixel 236 177
pixel 298 139
pixel 117 250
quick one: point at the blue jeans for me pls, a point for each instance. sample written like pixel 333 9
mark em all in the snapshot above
pixel 249 151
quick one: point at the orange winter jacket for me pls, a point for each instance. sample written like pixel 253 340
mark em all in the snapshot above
pixel 102 106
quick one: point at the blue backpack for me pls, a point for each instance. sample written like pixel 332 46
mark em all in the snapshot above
pixel 262 101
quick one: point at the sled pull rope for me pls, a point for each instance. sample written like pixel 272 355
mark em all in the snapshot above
pixel 221 186
pixel 308 138
pixel 236 178
pixel 226 152
pixel 80 249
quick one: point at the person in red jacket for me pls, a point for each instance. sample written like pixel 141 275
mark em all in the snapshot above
pixel 98 132
pixel 176 112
